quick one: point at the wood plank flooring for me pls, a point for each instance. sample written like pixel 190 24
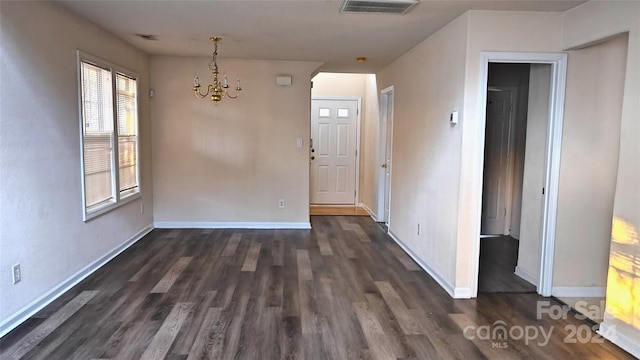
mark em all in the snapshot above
pixel 343 290
pixel 498 260
pixel 337 210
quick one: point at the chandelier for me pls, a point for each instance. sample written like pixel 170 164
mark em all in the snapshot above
pixel 218 89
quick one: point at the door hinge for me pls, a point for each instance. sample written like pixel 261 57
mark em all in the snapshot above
pixel 542 191
pixel 505 212
pixel 356 152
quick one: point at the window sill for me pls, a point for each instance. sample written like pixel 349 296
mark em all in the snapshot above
pixel 89 215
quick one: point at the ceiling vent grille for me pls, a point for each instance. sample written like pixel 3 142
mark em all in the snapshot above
pixel 377 6
pixel 147 37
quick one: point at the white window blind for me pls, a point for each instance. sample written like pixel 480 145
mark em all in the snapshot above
pixel 109 136
pixel 127 133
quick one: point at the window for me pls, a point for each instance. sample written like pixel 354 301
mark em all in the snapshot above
pixel 109 134
pixel 343 113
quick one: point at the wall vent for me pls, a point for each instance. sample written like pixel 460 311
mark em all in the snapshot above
pixel 377 6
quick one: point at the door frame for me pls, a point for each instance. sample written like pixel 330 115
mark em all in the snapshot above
pixel 382 153
pixel 356 198
pixel 506 228
pixel 553 147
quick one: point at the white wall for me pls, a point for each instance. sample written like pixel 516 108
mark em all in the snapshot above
pixel 369 139
pixel 362 86
pixel 231 162
pixel 490 31
pixel 41 227
pixel 589 163
pixel 435 164
pixel 586 24
pixel 418 152
pixel 339 85
pixel 428 84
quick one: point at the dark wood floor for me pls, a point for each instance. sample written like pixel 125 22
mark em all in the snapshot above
pixel 337 210
pixel 498 260
pixel 341 291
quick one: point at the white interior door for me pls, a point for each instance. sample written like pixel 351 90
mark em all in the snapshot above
pixel 388 99
pixel 385 137
pixel 333 151
pixel 497 159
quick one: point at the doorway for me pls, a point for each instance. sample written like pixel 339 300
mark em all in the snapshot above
pixel 333 151
pixel 505 138
pixel 546 100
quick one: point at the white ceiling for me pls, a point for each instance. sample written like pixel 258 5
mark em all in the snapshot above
pixel 307 30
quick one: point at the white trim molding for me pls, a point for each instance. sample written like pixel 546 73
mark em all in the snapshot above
pixel 38 304
pixel 525 275
pixel 230 225
pixel 627 343
pixel 585 291
pixel 368 210
pixel 462 293
pixel 456 293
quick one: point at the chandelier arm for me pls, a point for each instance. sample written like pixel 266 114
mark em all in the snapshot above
pixel 196 91
pixel 230 96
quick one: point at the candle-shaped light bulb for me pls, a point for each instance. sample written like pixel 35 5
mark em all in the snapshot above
pixel 226 82
pixel 196 81
pixel 238 88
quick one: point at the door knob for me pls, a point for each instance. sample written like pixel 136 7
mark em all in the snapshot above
pixel 384 165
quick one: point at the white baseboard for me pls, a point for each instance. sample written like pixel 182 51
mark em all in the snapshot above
pixel 23 314
pixel 371 213
pixel 527 276
pixel 561 291
pixel 456 293
pixel 627 343
pixel 462 293
pixel 230 225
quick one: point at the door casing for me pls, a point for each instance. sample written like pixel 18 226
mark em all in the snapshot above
pixel 558 62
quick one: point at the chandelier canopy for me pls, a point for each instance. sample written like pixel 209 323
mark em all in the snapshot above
pixel 219 89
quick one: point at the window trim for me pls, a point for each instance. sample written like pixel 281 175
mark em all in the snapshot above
pixel 119 200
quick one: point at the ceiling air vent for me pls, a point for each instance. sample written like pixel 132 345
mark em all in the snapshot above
pixel 147 37
pixel 377 6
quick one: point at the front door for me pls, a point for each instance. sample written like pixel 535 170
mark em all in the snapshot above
pixel 497 158
pixel 333 151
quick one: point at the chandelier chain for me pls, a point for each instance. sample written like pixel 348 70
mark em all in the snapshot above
pixel 214 58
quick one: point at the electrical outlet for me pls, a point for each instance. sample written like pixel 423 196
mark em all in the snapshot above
pixel 419 229
pixel 16 274
pixel 281 204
